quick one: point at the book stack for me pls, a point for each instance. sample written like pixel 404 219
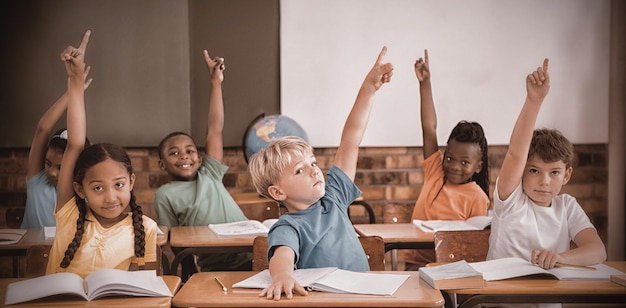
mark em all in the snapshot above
pixel 455 275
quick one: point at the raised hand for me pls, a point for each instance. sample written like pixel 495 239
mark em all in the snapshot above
pixel 422 68
pixel 74 58
pixel 216 66
pixel 381 72
pixel 538 82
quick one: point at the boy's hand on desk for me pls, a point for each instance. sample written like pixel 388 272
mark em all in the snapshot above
pixel 545 258
pixel 283 284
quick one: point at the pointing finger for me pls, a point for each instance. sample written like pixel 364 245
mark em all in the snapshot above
pixel 381 55
pixel 83 44
pixel 426 55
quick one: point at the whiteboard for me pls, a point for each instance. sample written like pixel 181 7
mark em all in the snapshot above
pixel 480 53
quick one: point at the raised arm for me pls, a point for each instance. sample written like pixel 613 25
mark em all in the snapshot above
pixel 214 138
pixel 537 87
pixel 427 106
pixel 74 60
pixel 354 129
pixel 43 132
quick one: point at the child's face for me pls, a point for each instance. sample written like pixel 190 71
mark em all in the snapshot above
pixel 543 181
pixel 52 165
pixel 180 158
pixel 107 186
pixel 301 184
pixel 461 161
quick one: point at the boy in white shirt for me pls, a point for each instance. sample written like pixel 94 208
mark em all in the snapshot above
pixel 530 219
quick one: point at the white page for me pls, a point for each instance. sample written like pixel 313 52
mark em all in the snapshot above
pixel 602 271
pixel 137 283
pixel 342 281
pixel 304 276
pixel 505 268
pixel 39 287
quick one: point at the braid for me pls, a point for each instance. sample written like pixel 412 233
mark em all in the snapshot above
pixel 78 236
pixel 140 234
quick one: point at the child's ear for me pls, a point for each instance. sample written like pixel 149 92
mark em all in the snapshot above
pixel 479 167
pixel 132 181
pixel 568 175
pixel 79 190
pixel 161 164
pixel 276 193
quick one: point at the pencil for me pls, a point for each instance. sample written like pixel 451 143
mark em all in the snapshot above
pixel 221 284
pixel 428 227
pixel 589 268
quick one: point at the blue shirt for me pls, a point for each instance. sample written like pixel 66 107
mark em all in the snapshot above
pixel 41 198
pixel 323 235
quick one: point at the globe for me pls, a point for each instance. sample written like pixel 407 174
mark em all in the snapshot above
pixel 266 129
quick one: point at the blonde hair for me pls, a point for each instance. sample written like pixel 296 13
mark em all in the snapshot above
pixel 267 165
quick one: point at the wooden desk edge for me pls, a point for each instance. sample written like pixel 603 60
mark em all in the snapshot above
pixel 215 297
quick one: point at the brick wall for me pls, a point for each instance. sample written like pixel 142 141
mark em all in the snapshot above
pixel 390 178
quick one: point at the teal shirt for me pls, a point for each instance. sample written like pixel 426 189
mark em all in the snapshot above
pixel 323 235
pixel 41 198
pixel 200 203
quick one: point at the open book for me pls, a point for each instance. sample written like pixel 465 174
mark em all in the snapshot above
pixel 512 267
pixel 331 279
pixel 11 236
pixel 104 282
pixel 472 223
pixel 242 228
pixel 455 275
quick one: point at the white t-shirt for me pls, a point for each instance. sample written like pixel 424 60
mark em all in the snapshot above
pixel 519 225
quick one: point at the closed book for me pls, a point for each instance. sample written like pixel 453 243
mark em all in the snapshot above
pixel 455 275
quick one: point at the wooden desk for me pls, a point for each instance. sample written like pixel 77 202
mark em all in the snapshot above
pixel 398 236
pixel 543 290
pixel 173 283
pixel 36 236
pixel 256 207
pixel 200 239
pixel 32 237
pixel 203 291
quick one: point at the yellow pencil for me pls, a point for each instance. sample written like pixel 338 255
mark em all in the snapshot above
pixel 589 268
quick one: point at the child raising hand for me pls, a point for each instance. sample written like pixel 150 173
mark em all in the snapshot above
pixel 94 189
pixel 44 163
pixel 456 181
pixel 316 232
pixel 531 220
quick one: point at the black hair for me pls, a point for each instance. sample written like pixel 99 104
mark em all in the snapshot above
pixel 170 135
pixel 58 141
pixel 472 132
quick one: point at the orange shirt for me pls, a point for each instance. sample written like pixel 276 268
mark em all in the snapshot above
pixel 450 202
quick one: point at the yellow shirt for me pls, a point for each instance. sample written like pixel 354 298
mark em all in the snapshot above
pixel 112 247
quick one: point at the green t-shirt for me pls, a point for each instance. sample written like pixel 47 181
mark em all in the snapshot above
pixel 200 203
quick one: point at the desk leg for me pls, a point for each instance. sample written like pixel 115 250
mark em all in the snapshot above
pixel 16 266
pixel 394 259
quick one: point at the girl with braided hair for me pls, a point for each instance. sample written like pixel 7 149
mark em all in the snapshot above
pixel 94 190
pixel 456 180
